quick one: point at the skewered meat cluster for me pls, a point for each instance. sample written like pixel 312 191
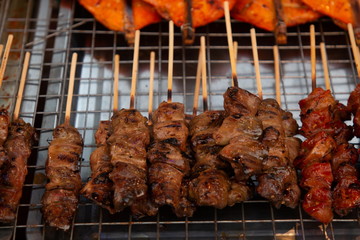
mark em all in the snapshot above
pixel 210 183
pixel 62 192
pixel 278 183
pixel 13 170
pixel 326 157
pixel 169 159
pixel 100 188
pixel 127 143
pixel 240 134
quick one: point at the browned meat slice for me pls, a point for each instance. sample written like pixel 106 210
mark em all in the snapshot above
pixel 168 167
pixel 239 192
pixel 354 105
pixel 318 148
pixel 240 101
pixel 100 188
pixel 210 188
pixel 127 143
pixel 169 112
pixel 238 125
pixel 165 183
pixel 169 159
pixel 318 99
pixel 279 185
pixel 143 207
pixel 185 208
pixel 62 192
pixel 174 132
pixel 14 168
pixel 290 125
pixel 207 158
pixel 4 125
pixel 318 204
pixel 206 120
pixel 103 133
pixel 346 194
pixel 292 145
pixel 245 156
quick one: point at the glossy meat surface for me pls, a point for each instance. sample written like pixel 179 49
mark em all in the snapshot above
pixel 240 101
pixel 261 13
pixel 113 13
pixel 338 9
pixel 203 11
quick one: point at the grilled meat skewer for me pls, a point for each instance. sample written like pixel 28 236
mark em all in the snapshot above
pixel 62 192
pixel 127 143
pixel 4 125
pixel 278 183
pixel 327 159
pixel 100 188
pixel 168 158
pixel 17 150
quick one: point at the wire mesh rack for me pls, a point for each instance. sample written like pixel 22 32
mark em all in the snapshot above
pixel 53 30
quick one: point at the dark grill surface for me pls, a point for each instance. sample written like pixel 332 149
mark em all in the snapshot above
pixel 53 30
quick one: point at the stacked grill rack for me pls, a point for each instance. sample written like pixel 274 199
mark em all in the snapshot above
pixel 52 31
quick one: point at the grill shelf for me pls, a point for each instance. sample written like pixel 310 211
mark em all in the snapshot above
pixel 53 30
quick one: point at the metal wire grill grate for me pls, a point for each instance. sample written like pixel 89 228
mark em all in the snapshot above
pixel 51 31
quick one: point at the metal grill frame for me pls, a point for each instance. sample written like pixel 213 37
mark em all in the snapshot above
pixel 50 31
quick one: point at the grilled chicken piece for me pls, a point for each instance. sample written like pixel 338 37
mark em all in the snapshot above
pixel 261 13
pixel 17 150
pixel 118 15
pixel 127 144
pixel 337 9
pixel 62 191
pixel 100 188
pixel 4 125
pixel 203 12
pixel 240 101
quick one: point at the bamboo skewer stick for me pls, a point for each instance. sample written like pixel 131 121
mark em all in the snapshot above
pixel 5 57
pixel 277 73
pixel 354 48
pixel 188 32
pixel 135 69
pixel 280 26
pixel 230 44
pixel 71 88
pixel 22 86
pixel 236 45
pixel 325 65
pixel 197 85
pixel 171 61
pixel 1 49
pixel 203 73
pixel 116 83
pixel 151 85
pixel 313 56
pixel 256 62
